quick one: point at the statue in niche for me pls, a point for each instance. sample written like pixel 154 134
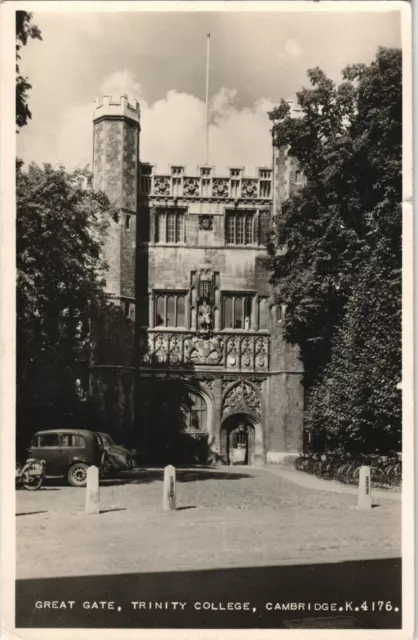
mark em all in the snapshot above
pixel 204 316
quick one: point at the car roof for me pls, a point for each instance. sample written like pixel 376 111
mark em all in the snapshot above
pixel 80 431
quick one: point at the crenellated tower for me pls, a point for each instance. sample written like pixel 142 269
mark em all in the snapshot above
pixel 115 170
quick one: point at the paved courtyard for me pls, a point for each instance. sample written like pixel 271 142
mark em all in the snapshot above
pixel 228 520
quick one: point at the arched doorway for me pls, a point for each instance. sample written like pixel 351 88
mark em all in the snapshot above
pixel 238 439
pixel 180 424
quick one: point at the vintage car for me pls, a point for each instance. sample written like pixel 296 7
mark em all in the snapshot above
pixel 115 457
pixel 67 453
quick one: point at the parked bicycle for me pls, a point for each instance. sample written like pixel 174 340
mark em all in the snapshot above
pixel 385 470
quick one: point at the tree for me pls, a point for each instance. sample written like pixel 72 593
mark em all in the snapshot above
pixel 340 272
pixel 24 30
pixel 60 226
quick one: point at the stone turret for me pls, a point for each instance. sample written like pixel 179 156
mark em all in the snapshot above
pixel 115 169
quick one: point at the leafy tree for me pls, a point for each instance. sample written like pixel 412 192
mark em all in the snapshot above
pixel 24 30
pixel 61 225
pixel 336 249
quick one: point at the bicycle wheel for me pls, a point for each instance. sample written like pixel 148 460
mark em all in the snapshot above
pixel 378 478
pixel 328 470
pixel 354 474
pixel 318 469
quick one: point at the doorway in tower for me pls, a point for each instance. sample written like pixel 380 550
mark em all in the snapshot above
pixel 238 439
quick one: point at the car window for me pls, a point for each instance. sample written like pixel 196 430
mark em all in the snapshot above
pixel 47 440
pixel 106 439
pixel 72 440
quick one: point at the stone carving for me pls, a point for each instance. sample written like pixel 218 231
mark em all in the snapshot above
pixel 246 353
pixel 249 188
pixel 258 382
pixel 206 223
pixel 162 186
pixel 232 352
pixel 161 347
pixel 175 350
pixel 203 351
pixel 261 353
pixel 241 397
pixel 204 317
pixel 220 188
pixel 251 398
pixel 191 187
pixel 232 400
pixel 235 352
pixel 208 382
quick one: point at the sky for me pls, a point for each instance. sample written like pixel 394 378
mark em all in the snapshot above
pixel 160 58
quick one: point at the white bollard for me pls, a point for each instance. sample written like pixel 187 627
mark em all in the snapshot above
pixel 169 496
pixel 364 489
pixel 92 491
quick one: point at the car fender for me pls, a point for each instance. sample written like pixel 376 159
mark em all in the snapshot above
pixel 79 459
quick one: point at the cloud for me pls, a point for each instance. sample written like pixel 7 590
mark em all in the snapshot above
pixel 291 51
pixel 119 83
pixel 172 130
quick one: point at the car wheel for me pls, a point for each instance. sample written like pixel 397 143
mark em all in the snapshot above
pixel 77 475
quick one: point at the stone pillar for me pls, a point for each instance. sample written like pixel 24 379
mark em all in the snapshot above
pixel 187 310
pixel 217 309
pixel 217 401
pixel 255 313
pixel 92 491
pixel 364 489
pixel 169 495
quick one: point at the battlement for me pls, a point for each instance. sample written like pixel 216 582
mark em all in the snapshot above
pixel 206 183
pixel 107 106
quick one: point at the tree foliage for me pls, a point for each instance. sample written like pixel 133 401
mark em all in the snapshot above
pixel 24 30
pixel 60 227
pixel 340 271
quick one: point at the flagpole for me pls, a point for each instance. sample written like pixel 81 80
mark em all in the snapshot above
pixel 207 96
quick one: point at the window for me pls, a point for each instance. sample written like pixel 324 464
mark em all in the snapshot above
pixel 129 310
pixel 265 189
pixel 72 440
pixel 240 228
pixel 47 440
pixel 237 311
pixel 170 227
pixel 196 415
pixel 170 310
pixel 127 222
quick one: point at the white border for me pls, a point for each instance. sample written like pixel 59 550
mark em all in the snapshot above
pixel 8 154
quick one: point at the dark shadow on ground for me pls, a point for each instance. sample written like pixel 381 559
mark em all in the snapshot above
pixel 347 584
pixel 111 510
pixel 146 476
pixel 30 513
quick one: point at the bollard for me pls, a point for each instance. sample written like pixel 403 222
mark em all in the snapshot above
pixel 364 489
pixel 92 491
pixel 169 496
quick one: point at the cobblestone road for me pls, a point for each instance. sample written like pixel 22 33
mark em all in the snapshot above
pixel 224 516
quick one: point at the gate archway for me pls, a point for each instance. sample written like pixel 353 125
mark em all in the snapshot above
pixel 242 440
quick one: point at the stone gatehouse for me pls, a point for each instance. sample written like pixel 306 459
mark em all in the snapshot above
pixel 211 376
